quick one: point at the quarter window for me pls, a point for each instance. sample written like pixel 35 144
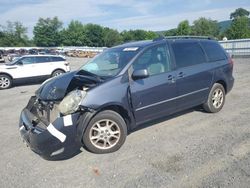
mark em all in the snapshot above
pixel 214 51
pixel 156 60
pixel 188 54
pixel 53 59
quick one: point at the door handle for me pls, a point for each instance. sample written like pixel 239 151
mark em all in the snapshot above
pixel 171 78
pixel 11 68
pixel 181 75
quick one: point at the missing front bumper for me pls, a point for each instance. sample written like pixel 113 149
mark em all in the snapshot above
pixel 46 139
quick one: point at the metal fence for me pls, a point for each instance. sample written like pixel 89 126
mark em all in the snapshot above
pixel 237 48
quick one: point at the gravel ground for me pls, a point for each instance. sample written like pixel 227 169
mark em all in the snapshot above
pixel 191 149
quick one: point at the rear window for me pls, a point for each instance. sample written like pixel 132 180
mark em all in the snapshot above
pixel 213 50
pixel 188 54
pixel 57 59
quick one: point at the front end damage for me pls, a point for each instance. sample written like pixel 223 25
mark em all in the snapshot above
pixel 48 124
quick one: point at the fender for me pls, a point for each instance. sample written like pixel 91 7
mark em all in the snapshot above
pixel 82 124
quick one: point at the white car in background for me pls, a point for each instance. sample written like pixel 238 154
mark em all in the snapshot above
pixel 32 68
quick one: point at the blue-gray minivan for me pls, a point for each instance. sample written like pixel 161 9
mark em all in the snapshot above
pixel 121 89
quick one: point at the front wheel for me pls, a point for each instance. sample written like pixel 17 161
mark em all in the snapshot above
pixel 5 81
pixel 57 73
pixel 105 133
pixel 216 99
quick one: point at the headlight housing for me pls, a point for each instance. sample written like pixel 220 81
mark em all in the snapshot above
pixel 70 103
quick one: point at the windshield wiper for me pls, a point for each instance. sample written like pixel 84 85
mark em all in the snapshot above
pixel 89 75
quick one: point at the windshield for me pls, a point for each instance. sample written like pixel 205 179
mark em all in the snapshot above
pixel 110 62
pixel 15 60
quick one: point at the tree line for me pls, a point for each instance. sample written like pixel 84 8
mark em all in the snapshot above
pixel 239 28
pixel 49 32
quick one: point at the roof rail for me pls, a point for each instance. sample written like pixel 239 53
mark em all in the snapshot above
pixel 190 37
pixel 159 38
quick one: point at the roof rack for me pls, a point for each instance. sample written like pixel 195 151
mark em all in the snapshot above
pixel 190 37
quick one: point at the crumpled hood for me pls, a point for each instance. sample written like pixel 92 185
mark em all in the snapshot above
pixel 55 89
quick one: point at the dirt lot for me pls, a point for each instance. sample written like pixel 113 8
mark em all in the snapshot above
pixel 194 149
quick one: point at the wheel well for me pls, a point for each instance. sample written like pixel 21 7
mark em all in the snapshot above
pixel 223 83
pixel 120 110
pixel 3 73
pixel 57 70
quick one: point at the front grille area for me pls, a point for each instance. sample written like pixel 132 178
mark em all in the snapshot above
pixel 47 112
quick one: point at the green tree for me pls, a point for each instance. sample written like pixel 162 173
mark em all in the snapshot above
pixel 205 27
pixel 138 34
pixel 94 35
pixel 239 12
pixel 74 34
pixel 150 35
pixel 183 28
pixel 239 28
pixel 111 37
pixel 13 34
pixel 171 32
pixel 127 36
pixel 47 32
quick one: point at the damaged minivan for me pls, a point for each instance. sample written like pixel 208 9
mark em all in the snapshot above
pixel 121 89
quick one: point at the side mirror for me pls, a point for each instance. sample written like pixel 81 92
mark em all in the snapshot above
pixel 140 74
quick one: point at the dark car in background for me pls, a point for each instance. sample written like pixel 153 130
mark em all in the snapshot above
pixel 121 89
pixel 2 60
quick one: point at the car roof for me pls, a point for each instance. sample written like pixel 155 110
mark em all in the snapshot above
pixel 43 55
pixel 145 43
pixel 140 44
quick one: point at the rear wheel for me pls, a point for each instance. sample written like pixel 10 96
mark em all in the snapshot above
pixel 5 81
pixel 57 73
pixel 216 99
pixel 105 133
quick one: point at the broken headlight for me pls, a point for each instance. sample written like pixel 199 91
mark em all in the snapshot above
pixel 70 103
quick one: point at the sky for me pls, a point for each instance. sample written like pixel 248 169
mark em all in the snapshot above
pixel 155 15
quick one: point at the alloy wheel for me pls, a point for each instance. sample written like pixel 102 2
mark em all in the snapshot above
pixel 4 82
pixel 217 98
pixel 105 134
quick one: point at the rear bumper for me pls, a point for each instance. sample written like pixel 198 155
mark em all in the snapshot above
pixel 230 84
pixel 57 139
pixel 67 68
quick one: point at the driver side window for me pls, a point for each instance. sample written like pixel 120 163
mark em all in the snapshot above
pixel 155 59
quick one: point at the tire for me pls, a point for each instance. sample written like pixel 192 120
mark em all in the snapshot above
pixel 105 133
pixel 216 99
pixel 57 73
pixel 5 81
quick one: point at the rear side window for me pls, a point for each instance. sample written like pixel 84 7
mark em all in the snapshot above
pixel 53 59
pixel 188 54
pixel 213 50
pixel 42 59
